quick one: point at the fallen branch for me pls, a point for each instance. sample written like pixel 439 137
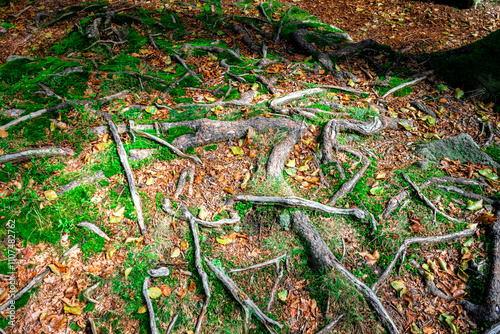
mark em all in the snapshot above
pixel 331 325
pixel 275 261
pixel 35 115
pixel 95 229
pixel 93 327
pixel 37 279
pixel 426 200
pixel 275 287
pixel 151 311
pixel 403 85
pixel 421 241
pixel 182 181
pixel 86 293
pixel 43 152
pixel 172 322
pixel 170 146
pixel 454 180
pixel 242 298
pixel 130 177
pixel 304 203
pixel 324 258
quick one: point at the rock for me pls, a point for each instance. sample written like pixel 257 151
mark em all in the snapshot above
pixel 460 147
pixel 140 154
pixel 422 165
pixel 284 220
pixel 160 272
pixel 15 57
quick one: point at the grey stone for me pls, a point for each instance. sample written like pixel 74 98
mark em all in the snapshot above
pixel 140 154
pixel 460 147
pixel 422 165
pixel 284 220
pixel 15 57
pixel 160 272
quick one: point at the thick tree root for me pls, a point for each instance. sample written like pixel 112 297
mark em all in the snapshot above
pixel 422 241
pixel 43 152
pixel 354 48
pixel 489 311
pixel 328 328
pixel 235 218
pixel 95 229
pixel 275 261
pixel 130 176
pixel 325 259
pixel 431 286
pixel 35 115
pixel 247 40
pixel 426 200
pixel 72 185
pixel 304 203
pixel 37 279
pixel 242 298
pixel 465 193
pixel 151 311
pixel 454 180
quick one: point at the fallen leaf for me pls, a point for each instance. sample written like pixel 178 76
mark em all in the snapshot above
pixel 237 150
pixel 142 309
pixel 224 240
pixel 283 295
pixel 72 310
pixel 154 292
pixel 184 246
pixel 50 195
pixel 3 134
pixel 167 291
pixel 487 218
pixel 229 190
pixel 192 286
pixel 54 269
pixel 291 163
pixel 474 205
pixel 399 286
pixel 150 181
pixel 253 153
pixel 127 272
pixel 176 252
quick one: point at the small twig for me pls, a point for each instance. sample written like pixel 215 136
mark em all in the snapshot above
pixel 275 261
pixel 94 229
pixel 235 218
pixel 433 289
pixel 130 176
pixel 175 83
pixel 86 293
pixel 93 327
pixel 151 311
pixel 403 85
pixel 170 146
pixel 106 42
pixel 172 322
pixel 182 181
pixel 331 325
pixel 19 14
pixel 422 241
pixel 426 200
pixel 183 64
pixel 275 287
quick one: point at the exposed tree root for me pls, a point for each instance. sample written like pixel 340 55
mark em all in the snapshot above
pixel 422 241
pixel 426 200
pixel 183 64
pixel 495 329
pixel 37 279
pixel 348 186
pixel 328 328
pixel 267 84
pixel 95 229
pixel 130 176
pixel 235 218
pixel 454 180
pixel 211 48
pixel 431 286
pixel 465 193
pixel 151 311
pixel 275 261
pixel 354 48
pixel 182 181
pixel 245 301
pixel 304 203
pixel 172 322
pixel 246 39
pixel 199 267
pixel 175 83
pixel 422 107
pixel 43 152
pixel 86 293
pixel 35 115
pixel 345 89
pixel 276 104
pixel 324 258
pixel 403 85
pixel 275 287
pixel 394 203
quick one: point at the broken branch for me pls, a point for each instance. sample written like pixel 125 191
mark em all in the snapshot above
pixel 275 261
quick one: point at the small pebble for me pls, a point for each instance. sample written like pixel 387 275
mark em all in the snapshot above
pixel 160 272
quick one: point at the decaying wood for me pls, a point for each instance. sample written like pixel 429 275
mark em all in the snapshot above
pixel 325 259
pixel 242 298
pixel 86 293
pixel 274 261
pixel 37 279
pixel 394 203
pixel 130 176
pixel 421 241
pixel 328 328
pixel 43 152
pixel 403 85
pixel 182 181
pixel 170 146
pixel 151 311
pixel 348 186
pixel 465 193
pixel 199 267
pixel 495 329
pixel 95 229
pixel 304 203
pixel 426 200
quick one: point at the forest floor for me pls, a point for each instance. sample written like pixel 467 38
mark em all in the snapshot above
pixel 133 53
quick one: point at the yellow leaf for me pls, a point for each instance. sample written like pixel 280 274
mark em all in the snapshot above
pixel 224 240
pixel 127 272
pixel 110 253
pixel 291 163
pixel 184 245
pixel 130 239
pixel 54 269
pixel 245 180
pixel 154 293
pixel 150 181
pixel 3 134
pixel 210 99
pixel 119 212
pixel 176 252
pixel 72 310
pixel 203 213
pixel 142 309
pixel 50 195
pixel 381 176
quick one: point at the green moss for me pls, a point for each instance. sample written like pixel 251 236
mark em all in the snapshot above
pixel 74 41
